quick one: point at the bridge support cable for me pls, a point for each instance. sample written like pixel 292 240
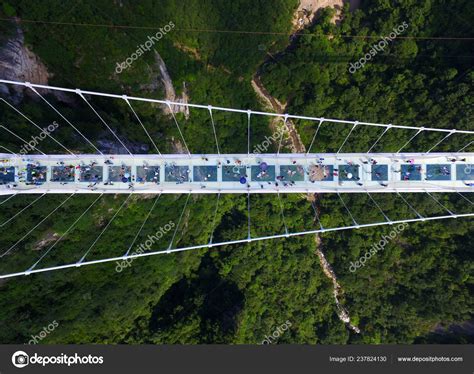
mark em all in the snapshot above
pixel 23 140
pixel 380 137
pixel 378 206
pixel 64 118
pixel 314 136
pixel 9 151
pixel 281 137
pixel 249 113
pixel 347 137
pixel 282 213
pixel 439 203
pixel 142 125
pixel 103 121
pixel 179 222
pixel 467 145
pixel 241 241
pixel 464 197
pixel 8 198
pixel 39 128
pixel 316 215
pixel 104 229
pixel 234 110
pixel 248 216
pixel 442 140
pixel 277 161
pixel 168 103
pixel 410 206
pixel 211 237
pixel 142 225
pixel 413 137
pixel 64 234
pixel 214 129
pixel 44 219
pixel 17 214
pixel 348 211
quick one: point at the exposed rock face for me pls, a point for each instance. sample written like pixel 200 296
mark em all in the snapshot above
pixel 114 147
pixel 342 312
pixel 47 239
pixel 307 10
pixel 18 63
pixel 292 138
pixel 170 93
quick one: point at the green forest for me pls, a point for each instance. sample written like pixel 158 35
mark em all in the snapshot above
pixel 422 281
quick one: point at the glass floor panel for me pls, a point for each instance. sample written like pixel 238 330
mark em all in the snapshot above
pixel 379 172
pixel 410 172
pixel 438 172
pixel 205 174
pixel 293 173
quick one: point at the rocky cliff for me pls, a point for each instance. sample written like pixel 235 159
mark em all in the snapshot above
pixel 18 63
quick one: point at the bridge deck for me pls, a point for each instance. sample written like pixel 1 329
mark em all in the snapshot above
pixel 237 173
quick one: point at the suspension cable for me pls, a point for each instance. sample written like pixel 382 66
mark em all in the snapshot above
pixel 64 118
pixel 214 219
pixel 143 126
pixel 380 137
pixel 348 211
pixel 143 225
pixel 282 213
pixel 39 128
pixel 64 234
pixel 240 241
pixel 413 137
pixel 105 229
pixel 378 206
pixel 214 129
pixel 347 137
pixel 8 198
pixel 467 145
pixel 103 121
pixel 442 140
pixel 29 232
pixel 23 140
pixel 441 205
pixel 177 125
pixel 179 222
pixel 314 136
pixel 410 206
pixel 16 215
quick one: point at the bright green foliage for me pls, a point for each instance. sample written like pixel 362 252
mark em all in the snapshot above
pixel 242 293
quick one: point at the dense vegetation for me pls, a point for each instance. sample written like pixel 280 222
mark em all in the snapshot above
pixel 424 276
pixel 241 293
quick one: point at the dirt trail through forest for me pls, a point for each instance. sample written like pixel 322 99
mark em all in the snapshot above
pixel 303 17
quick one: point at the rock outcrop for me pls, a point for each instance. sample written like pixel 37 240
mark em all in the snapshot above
pixel 18 63
pixel 164 80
